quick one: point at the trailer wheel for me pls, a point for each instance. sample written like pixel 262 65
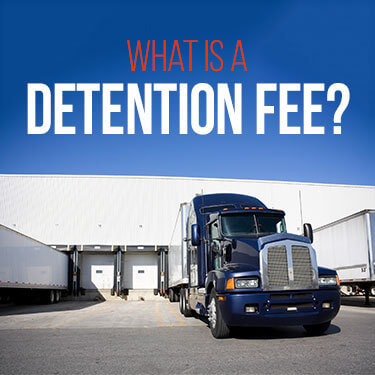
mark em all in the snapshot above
pixel 373 292
pixel 57 296
pixel 317 329
pixel 50 296
pixel 219 328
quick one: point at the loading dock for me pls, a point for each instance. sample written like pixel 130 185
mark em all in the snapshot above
pixel 112 268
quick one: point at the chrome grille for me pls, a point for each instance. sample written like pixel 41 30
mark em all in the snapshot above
pixel 291 265
pixel 302 268
pixel 277 266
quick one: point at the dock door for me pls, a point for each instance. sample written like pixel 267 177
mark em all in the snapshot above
pixel 141 270
pixel 97 271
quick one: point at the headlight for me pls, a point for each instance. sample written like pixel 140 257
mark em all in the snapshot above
pixel 327 280
pixel 247 283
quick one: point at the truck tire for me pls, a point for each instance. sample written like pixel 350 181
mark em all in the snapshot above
pixel 183 305
pixel 181 302
pixel 171 295
pixel 219 328
pixel 50 296
pixel 187 311
pixel 176 297
pixel 57 296
pixel 317 329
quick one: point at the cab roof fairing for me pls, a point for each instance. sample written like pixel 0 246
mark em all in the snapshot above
pixel 226 199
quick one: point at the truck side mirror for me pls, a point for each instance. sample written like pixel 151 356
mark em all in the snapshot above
pixel 195 235
pixel 308 232
pixel 228 253
pixel 216 248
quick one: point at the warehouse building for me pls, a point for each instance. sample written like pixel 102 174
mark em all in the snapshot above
pixel 115 225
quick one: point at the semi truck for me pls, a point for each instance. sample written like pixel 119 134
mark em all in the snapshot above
pixel 30 270
pixel 348 246
pixel 244 269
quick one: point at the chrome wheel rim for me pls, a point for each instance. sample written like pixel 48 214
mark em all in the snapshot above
pixel 212 313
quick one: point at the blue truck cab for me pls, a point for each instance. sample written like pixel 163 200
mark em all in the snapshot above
pixel 244 269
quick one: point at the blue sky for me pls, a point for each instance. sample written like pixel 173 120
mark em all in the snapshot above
pixel 284 42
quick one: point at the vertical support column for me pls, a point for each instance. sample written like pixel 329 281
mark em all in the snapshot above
pixel 70 270
pixel 113 291
pixel 166 269
pixel 117 271
pixel 163 270
pixel 74 271
pixel 160 272
pixel 79 264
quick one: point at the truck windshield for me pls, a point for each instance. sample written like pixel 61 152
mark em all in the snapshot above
pixel 252 225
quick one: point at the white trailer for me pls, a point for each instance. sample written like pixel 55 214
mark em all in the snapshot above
pixel 30 269
pixel 348 246
pixel 177 255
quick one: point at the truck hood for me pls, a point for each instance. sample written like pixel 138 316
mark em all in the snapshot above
pixel 239 267
pixel 281 237
pixel 246 250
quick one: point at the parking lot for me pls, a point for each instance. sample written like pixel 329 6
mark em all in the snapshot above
pixel 152 337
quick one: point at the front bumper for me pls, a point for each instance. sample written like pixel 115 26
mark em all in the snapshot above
pixel 280 308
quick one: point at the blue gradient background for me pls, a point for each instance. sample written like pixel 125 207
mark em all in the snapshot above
pixel 289 41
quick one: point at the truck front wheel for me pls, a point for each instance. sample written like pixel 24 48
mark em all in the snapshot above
pixel 219 328
pixel 181 302
pixel 171 295
pixel 317 329
pixel 176 296
pixel 184 305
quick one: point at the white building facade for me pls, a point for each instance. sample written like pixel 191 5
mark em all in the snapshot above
pixel 98 213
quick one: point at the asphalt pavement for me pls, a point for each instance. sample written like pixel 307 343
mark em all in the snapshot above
pixel 151 337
